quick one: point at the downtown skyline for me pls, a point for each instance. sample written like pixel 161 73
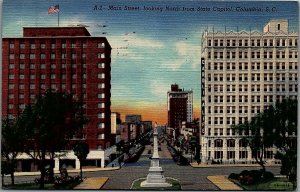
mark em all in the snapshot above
pixel 151 49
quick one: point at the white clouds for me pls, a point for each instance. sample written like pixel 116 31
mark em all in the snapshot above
pixel 159 88
pixel 132 46
pixel 187 54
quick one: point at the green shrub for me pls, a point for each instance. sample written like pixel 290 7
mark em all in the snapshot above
pixel 233 176
pixel 268 175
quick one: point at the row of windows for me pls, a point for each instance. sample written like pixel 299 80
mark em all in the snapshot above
pixel 55 86
pixel 52 66
pixel 54 56
pixel 53 76
pixel 254 77
pixel 242 155
pixel 244 88
pixel 53 45
pixel 254 54
pixel 252 42
pixel 253 66
pixel 32 96
pixel 244 98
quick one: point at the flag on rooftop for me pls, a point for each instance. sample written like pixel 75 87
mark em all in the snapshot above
pixel 53 9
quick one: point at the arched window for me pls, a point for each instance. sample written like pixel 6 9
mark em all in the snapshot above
pixel 218 143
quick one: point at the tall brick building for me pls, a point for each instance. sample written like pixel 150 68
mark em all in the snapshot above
pixel 180 107
pixel 66 59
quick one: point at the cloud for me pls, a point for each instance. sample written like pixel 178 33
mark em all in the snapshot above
pixel 187 54
pixel 159 88
pixel 132 46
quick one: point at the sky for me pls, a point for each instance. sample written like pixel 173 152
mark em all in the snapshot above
pixel 152 47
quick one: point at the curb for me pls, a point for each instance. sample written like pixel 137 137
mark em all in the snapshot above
pixel 69 171
pixel 228 165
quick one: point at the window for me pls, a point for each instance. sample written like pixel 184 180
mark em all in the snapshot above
pixel 101 55
pixel 101 105
pixel 43 56
pixel 22 46
pixel 10 106
pixel 230 142
pixel 101 45
pixel 32 46
pixel 101 65
pixel 53 76
pixel 22 56
pixel 101 125
pixel 101 95
pixel 11 86
pixel 52 55
pixel 21 86
pixel 43 46
pixel 32 86
pixel 11 66
pixel 31 66
pixel 53 46
pixel 278 27
pixel 100 115
pixel 73 56
pixel 100 136
pixel 63 55
pixel 21 76
pixel 11 76
pixel 10 96
pixel 101 85
pixel 101 75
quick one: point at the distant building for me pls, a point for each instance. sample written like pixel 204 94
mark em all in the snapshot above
pixel 133 118
pixel 65 59
pixel 129 131
pixel 116 126
pixel 180 107
pixel 242 73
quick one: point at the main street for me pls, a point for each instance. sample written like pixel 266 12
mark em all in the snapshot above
pixel 190 178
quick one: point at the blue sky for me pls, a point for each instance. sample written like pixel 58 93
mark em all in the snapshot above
pixel 151 49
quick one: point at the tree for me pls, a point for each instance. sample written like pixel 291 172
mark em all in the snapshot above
pixel 81 150
pixel 49 124
pixel 286 138
pixel 10 149
pixel 275 126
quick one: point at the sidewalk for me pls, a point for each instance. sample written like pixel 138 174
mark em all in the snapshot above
pixel 69 171
pixel 92 183
pixel 223 183
pixel 195 165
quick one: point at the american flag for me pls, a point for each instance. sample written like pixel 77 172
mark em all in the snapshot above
pixel 53 9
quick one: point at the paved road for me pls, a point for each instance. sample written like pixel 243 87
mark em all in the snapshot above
pixel 190 178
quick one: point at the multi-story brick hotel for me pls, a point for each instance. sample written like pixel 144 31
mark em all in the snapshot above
pixel 67 59
pixel 242 73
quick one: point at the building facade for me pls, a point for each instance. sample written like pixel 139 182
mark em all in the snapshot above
pixel 65 59
pixel 242 73
pixel 116 126
pixel 180 107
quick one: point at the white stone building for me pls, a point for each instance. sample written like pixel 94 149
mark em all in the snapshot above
pixel 242 73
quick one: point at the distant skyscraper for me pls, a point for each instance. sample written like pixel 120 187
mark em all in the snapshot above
pixel 180 106
pixel 133 118
pixel 242 73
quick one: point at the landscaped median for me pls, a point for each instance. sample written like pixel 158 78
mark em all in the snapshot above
pixel 223 183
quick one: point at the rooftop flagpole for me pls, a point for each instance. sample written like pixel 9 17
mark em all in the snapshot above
pixel 54 9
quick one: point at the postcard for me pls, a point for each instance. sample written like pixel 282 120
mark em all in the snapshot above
pixel 149 95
